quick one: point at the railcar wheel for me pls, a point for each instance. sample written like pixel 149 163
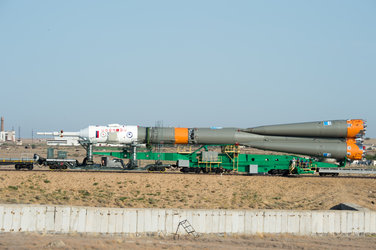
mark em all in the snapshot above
pixel 184 170
pixel 285 173
pixel 272 172
pixel 218 171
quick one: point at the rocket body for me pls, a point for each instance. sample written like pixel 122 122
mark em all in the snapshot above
pixel 337 139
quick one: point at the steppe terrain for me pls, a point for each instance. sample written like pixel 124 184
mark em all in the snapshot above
pixel 149 190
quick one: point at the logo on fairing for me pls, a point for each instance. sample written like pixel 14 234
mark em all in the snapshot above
pixel 129 134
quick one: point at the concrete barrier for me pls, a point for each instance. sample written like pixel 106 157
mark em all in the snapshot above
pixel 70 219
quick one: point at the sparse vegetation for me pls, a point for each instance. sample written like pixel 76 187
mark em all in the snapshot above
pixel 123 198
pixel 84 192
pixel 371 157
pixel 188 191
pixel 13 187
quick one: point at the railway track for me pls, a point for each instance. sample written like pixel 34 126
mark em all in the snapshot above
pixel 36 170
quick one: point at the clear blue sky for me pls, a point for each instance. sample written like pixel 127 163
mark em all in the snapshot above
pixel 70 64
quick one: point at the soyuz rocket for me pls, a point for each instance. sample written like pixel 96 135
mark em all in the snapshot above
pixel 338 139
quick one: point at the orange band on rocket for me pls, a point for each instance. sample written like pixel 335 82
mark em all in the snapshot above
pixel 181 136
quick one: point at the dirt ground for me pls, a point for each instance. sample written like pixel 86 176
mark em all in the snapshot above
pixel 37 241
pixel 148 190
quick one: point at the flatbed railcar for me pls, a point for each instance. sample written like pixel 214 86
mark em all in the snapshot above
pixel 20 163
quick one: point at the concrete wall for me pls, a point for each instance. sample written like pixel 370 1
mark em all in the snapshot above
pixel 66 219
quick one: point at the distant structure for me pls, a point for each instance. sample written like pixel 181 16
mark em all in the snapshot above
pixel 6 136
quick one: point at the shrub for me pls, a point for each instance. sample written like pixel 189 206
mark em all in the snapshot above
pixel 84 192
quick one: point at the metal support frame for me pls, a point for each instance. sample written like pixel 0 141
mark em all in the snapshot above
pixel 234 149
pixel 88 146
pixel 132 163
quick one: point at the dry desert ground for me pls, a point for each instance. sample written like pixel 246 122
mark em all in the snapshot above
pixel 77 241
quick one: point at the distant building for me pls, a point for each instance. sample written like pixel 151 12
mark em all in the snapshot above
pixel 6 136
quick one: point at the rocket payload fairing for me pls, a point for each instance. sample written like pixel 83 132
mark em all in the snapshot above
pixel 337 139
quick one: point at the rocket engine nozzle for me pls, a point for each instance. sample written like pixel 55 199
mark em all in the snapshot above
pixel 355 149
pixel 356 128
